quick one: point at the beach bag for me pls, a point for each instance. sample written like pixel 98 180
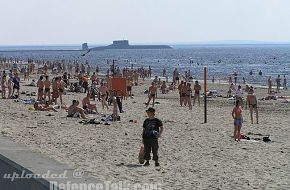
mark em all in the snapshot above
pixel 141 155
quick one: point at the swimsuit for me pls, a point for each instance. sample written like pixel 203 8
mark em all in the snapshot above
pixel 46 89
pixel 254 105
pixel 238 122
pixel 40 90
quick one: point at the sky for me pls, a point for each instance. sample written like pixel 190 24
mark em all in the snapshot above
pixel 42 22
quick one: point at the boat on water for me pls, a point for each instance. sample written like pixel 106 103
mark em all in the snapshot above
pixel 124 44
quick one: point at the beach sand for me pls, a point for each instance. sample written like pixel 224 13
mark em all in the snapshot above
pixel 193 155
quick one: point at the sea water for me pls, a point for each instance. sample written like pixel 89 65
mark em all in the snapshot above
pixel 220 60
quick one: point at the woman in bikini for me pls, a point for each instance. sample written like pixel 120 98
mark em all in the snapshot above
pixel 238 120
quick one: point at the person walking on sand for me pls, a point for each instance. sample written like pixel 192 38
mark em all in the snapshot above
pixel 238 120
pixel 16 84
pixel 197 89
pixel 152 130
pixel 182 93
pixel 278 82
pixel 152 94
pixel 270 84
pixel 4 85
pixel 252 102
pixel 104 92
pixel 9 86
pixel 188 96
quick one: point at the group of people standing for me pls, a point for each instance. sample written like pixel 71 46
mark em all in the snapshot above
pixel 9 84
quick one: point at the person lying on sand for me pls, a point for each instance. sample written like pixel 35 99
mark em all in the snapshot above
pixel 75 109
pixel 39 107
pixel 87 104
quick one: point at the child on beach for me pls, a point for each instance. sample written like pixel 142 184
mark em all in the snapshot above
pixel 238 120
pixel 163 87
pixel 152 130
pixel 115 109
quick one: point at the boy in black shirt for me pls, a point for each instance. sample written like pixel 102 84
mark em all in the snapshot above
pixel 152 130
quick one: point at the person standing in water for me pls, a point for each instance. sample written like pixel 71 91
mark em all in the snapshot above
pixel 238 120
pixel 285 83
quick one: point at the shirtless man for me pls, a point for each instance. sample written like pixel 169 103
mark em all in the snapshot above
pixel 197 89
pixel 55 89
pixel 252 102
pixel 152 94
pixel 94 77
pixel 188 96
pixel 47 85
pixel 182 92
pixel 40 86
pixel 87 104
pixel 104 92
pixel 61 89
pixel 74 108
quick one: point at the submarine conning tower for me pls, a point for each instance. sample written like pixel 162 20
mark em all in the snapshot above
pixel 121 43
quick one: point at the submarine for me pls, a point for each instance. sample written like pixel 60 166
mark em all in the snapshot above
pixel 124 44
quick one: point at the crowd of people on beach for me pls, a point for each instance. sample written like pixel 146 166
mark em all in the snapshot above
pixel 56 79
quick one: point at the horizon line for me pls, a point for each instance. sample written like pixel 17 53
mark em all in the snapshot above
pixel 215 42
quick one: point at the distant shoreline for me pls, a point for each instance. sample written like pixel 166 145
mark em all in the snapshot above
pixel 28 48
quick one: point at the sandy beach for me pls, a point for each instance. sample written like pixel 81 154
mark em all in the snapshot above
pixel 193 155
